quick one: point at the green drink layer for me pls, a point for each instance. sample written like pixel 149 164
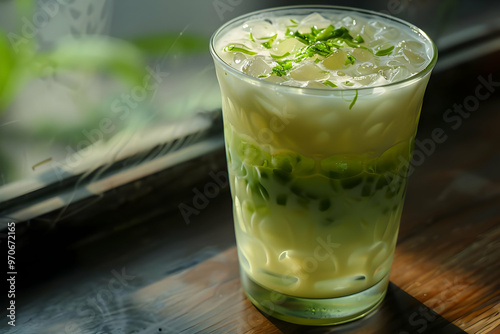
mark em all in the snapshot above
pixel 315 228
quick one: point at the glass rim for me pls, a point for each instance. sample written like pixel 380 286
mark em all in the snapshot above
pixel 407 24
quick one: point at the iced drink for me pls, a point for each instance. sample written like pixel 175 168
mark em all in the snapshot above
pixel 320 108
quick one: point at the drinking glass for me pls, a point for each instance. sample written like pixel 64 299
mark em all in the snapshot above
pixel 318 179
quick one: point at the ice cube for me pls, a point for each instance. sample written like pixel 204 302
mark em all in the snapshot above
pixel 382 69
pixel 241 64
pixel 408 59
pixel 367 68
pixel 397 74
pixel 413 46
pixel 396 61
pixel 380 81
pixel 362 54
pixel 368 32
pixel 348 22
pixel 290 45
pixel 262 30
pixel 335 61
pixel 387 33
pixel 284 22
pixel 238 59
pixel 275 79
pixel 414 59
pixel 309 72
pixel 377 24
pixel 366 80
pixel 257 67
pixel 313 20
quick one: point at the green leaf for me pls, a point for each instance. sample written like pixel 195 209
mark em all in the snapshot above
pixel 385 52
pixel 349 60
pixel 171 44
pixel 7 70
pixel 267 44
pixel 359 39
pixel 343 33
pixel 289 33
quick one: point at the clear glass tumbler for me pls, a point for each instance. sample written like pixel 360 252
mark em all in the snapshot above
pixel 318 182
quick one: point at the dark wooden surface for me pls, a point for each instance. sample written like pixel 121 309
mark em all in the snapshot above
pixel 152 272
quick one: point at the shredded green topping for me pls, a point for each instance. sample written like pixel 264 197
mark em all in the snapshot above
pixel 319 42
pixel 325 41
pixel 322 42
pixel 282 68
pixel 349 60
pixel 268 44
pixel 359 39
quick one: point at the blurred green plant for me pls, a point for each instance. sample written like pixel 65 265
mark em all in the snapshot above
pixel 22 59
pixel 7 66
pixel 123 59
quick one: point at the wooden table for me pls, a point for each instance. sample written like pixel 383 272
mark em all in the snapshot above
pixel 144 270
